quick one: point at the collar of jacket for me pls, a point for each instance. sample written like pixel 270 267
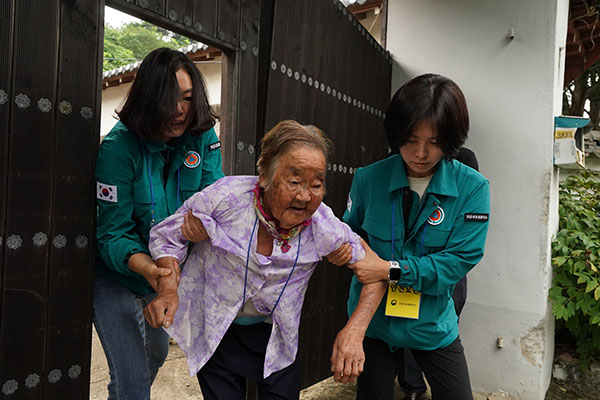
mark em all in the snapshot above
pixel 442 183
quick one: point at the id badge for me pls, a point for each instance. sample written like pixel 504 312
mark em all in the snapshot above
pixel 402 302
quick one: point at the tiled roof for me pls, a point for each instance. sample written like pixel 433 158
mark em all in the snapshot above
pixel 192 48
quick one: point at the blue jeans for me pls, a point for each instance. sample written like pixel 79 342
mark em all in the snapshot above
pixel 134 350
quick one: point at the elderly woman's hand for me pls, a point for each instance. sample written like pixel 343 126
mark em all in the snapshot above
pixel 341 256
pixel 371 268
pixel 193 229
pixel 161 311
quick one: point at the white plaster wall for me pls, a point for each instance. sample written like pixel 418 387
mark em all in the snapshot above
pixel 114 97
pixel 513 91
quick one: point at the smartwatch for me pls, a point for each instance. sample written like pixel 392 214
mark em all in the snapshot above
pixel 395 272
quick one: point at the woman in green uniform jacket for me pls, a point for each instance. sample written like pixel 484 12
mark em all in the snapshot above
pixel 425 216
pixel 163 150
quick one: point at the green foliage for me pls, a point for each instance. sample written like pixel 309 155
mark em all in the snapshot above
pixel 576 259
pixel 131 42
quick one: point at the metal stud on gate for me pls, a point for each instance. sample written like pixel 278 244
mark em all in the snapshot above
pixel 54 376
pixel 22 101
pixel 10 386
pixel 44 105
pixel 86 112
pixel 74 371
pixel 65 107
pixel 32 380
pixel 13 242
pixel 81 241
pixel 40 239
pixel 59 241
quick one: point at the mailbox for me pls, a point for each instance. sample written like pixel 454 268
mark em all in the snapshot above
pixel 568 141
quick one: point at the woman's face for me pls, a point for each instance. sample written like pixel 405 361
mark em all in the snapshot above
pixel 298 186
pixel 179 123
pixel 421 152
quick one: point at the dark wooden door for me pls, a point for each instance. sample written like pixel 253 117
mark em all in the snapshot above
pixel 325 69
pixel 49 96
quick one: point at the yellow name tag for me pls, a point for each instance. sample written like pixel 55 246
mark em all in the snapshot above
pixel 402 302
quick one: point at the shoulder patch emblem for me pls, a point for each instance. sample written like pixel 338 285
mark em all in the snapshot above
pixel 214 146
pixel 106 192
pixel 476 217
pixel 437 217
pixel 192 159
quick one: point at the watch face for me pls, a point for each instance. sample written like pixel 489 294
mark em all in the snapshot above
pixel 395 274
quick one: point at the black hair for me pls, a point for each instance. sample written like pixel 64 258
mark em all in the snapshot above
pixel 154 95
pixel 433 98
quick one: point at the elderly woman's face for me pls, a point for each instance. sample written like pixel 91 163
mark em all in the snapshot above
pixel 298 186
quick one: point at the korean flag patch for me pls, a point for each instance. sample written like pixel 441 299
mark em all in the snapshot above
pixel 106 192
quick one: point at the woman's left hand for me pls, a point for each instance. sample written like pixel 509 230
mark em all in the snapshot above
pixel 193 229
pixel 371 268
pixel 341 256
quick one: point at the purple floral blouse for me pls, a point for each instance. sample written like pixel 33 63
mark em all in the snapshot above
pixel 212 282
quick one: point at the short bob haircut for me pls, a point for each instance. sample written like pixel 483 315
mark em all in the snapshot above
pixel 433 98
pixel 154 95
pixel 284 136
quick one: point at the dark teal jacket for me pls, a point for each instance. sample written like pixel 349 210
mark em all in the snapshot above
pixel 124 198
pixel 437 252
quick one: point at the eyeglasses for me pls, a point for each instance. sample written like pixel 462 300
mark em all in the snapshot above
pixel 296 188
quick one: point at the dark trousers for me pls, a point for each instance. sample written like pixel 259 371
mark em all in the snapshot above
pixel 445 369
pixel 410 376
pixel 241 356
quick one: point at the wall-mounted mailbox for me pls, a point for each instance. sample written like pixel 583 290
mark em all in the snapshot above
pixel 568 141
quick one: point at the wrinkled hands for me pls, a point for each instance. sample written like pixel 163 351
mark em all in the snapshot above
pixel 371 268
pixel 193 229
pixel 161 310
pixel 341 256
pixel 348 357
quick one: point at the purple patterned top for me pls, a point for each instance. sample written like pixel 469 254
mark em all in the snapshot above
pixel 212 281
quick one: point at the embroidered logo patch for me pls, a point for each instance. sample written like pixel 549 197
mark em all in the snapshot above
pixel 475 217
pixel 106 192
pixel 192 160
pixel 214 146
pixel 437 217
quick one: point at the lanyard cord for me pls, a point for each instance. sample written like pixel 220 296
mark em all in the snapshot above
pixel 288 278
pixel 151 190
pixel 393 223
pixel 178 203
pixel 152 220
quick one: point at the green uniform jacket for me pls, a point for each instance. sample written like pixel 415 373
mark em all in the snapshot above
pixel 445 240
pixel 125 199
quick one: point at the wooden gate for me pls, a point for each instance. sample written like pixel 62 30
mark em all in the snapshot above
pixel 308 60
pixel 327 70
pixel 50 53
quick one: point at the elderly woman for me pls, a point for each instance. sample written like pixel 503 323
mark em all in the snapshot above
pixel 241 293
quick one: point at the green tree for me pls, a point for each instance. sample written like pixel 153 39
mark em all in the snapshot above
pixel 131 42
